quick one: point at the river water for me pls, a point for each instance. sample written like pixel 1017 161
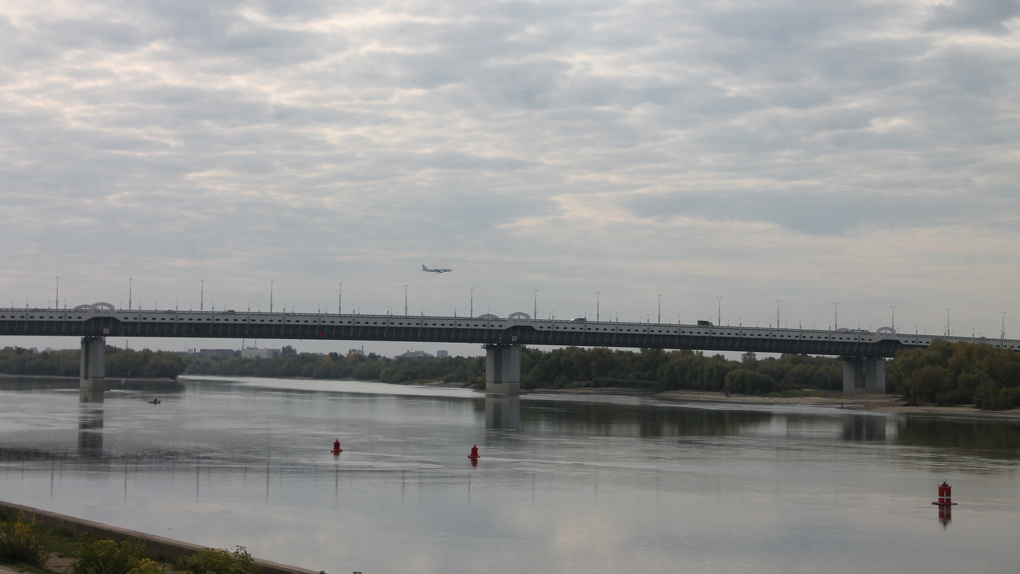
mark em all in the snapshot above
pixel 595 484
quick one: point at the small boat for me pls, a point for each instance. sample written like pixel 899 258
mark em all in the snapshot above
pixel 155 402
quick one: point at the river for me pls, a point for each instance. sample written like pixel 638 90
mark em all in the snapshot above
pixel 565 484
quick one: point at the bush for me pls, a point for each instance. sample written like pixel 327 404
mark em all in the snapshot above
pixel 217 561
pixel 147 566
pixel 20 543
pixel 107 557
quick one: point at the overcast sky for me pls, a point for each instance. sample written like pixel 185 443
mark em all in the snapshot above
pixel 863 153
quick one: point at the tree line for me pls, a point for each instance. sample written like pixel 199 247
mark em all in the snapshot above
pixel 958 374
pixel 120 363
pixel 944 373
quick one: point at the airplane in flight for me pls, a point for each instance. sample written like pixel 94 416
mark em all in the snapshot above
pixel 423 268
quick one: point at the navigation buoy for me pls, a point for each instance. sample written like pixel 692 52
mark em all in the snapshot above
pixel 474 453
pixel 336 447
pixel 945 495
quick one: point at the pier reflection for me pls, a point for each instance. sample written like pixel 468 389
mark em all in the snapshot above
pixel 859 427
pixel 90 429
pixel 503 413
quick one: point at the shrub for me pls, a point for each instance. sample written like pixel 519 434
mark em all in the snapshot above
pixel 107 557
pixel 147 566
pixel 20 543
pixel 217 561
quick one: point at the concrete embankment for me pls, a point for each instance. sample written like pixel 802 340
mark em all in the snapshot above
pixel 164 549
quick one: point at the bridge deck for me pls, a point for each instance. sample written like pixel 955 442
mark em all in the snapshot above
pixel 103 321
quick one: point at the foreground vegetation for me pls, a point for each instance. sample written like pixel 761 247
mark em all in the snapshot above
pixel 944 373
pixel 27 546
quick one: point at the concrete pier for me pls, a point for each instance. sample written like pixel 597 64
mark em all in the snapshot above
pixel 863 375
pixel 93 369
pixel 503 369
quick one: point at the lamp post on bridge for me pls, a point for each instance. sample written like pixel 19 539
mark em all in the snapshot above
pixel 271 296
pixel 893 324
pixel 56 301
pixel 471 310
pixel 535 309
pixel 201 297
pixel 718 314
pixel 659 319
pixel 405 300
pixel 597 305
pixel 948 331
pixel 835 320
pixel 777 312
pixel 339 298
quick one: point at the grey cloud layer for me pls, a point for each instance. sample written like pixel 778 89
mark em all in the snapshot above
pixel 318 132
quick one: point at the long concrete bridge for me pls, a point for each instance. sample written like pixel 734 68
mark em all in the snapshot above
pixel 863 352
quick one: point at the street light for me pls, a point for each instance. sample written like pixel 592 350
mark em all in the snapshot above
pixel 659 319
pixel 777 312
pixel 718 316
pixel 201 297
pixel 893 325
pixel 597 305
pixel 535 310
pixel 339 298
pixel 948 330
pixel 271 296
pixel 835 321
pixel 471 311
pixel 405 301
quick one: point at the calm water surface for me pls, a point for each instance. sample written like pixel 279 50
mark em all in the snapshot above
pixel 565 484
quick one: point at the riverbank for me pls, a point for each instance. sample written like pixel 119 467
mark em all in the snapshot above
pixel 878 403
pixel 160 548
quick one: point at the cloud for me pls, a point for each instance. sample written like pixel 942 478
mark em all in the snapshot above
pixel 988 16
pixel 527 145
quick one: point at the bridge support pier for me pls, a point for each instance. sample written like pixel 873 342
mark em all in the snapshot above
pixel 92 380
pixel 503 369
pixel 863 375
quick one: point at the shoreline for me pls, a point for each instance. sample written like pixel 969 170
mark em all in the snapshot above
pixel 876 403
pixel 880 403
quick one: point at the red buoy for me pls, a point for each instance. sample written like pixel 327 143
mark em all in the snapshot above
pixel 474 453
pixel 945 495
pixel 336 447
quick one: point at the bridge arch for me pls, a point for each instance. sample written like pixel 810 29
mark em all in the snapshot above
pixel 519 316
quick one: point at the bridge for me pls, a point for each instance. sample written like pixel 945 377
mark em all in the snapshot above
pixel 863 352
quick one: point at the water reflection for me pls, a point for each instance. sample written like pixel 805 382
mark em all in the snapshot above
pixel 564 484
pixel 91 395
pixel 858 427
pixel 503 413
pixel 90 429
pixel 961 437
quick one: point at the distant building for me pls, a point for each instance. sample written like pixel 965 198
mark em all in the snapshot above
pixel 442 354
pixel 414 355
pixel 253 353
pixel 216 353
